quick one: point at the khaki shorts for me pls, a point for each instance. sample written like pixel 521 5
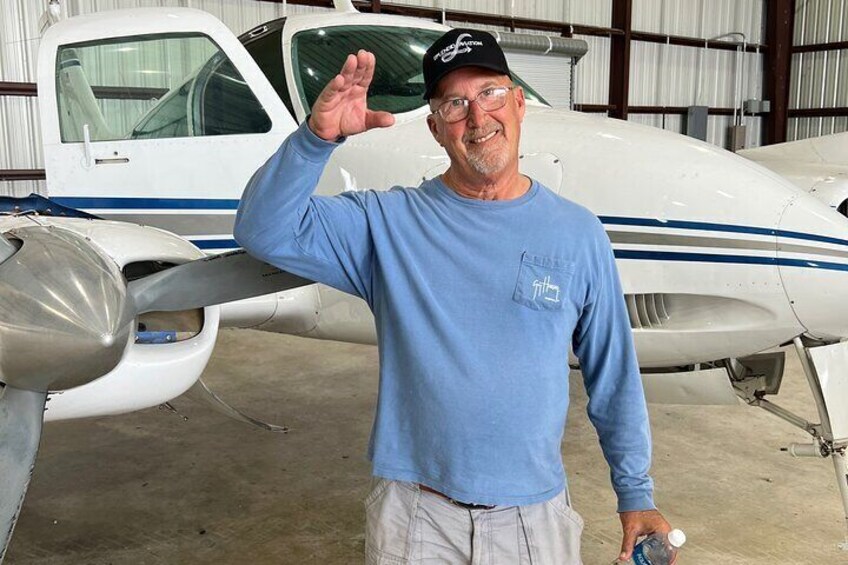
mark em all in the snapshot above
pixel 405 525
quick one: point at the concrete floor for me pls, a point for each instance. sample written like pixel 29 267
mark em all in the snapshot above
pixel 151 487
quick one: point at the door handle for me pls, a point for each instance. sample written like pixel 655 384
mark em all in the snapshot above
pixel 111 160
pixel 115 159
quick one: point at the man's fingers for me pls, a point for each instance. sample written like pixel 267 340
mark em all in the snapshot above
pixel 378 119
pixel 357 70
pixel 334 86
pixel 348 71
pixel 361 67
pixel 370 65
pixel 636 523
pixel 341 108
pixel 627 544
pixel 337 83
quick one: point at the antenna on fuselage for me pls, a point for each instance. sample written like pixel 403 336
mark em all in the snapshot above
pixel 344 6
pixel 50 16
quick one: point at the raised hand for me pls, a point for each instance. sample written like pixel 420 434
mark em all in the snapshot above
pixel 342 107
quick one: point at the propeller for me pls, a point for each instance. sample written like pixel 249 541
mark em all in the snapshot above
pixel 20 422
pixel 211 280
pixel 67 315
pixel 7 248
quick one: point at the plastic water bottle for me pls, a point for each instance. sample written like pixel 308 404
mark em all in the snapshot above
pixel 656 549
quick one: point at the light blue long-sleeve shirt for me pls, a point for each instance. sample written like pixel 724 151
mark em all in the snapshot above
pixel 475 304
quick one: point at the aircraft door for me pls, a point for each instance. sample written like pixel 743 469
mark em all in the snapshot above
pixel 161 128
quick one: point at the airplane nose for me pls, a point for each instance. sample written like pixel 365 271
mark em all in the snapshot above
pixel 812 253
pixel 64 319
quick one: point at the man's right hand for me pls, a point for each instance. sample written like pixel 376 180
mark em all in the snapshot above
pixel 342 107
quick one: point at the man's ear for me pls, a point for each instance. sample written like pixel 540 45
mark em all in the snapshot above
pixel 434 129
pixel 520 102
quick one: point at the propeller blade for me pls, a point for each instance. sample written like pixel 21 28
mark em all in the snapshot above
pixel 21 416
pixel 211 280
pixel 7 248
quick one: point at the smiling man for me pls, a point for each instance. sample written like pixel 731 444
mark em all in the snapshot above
pixel 478 280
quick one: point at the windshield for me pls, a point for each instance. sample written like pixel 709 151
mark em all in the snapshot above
pixel 398 84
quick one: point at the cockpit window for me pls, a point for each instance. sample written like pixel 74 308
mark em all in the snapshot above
pixel 398 84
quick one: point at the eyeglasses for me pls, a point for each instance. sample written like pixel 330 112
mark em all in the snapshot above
pixel 489 100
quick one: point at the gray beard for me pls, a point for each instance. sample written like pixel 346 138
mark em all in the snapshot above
pixel 488 162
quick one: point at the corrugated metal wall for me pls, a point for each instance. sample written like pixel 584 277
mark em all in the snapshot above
pixel 819 80
pixel 20 134
pixel 587 12
pixel 591 76
pixel 660 74
pixel 670 75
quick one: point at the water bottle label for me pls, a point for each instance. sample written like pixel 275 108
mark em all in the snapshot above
pixel 639 558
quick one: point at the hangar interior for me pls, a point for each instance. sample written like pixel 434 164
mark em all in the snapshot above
pixel 780 68
pixel 194 487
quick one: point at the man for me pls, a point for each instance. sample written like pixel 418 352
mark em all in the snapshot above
pixel 477 279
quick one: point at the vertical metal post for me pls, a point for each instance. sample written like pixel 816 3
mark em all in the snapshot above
pixel 780 20
pixel 572 87
pixel 622 19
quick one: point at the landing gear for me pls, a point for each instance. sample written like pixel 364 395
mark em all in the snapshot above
pixel 840 465
pixel 826 368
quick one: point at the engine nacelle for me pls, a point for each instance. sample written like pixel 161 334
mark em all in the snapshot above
pixel 166 353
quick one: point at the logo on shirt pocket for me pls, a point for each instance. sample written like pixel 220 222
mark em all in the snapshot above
pixel 542 281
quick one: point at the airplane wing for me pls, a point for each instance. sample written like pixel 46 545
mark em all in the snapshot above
pixel 818 165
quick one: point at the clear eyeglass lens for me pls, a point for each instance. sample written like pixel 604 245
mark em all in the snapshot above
pixel 489 100
pixel 492 98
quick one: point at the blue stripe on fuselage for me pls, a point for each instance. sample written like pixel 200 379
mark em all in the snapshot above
pixel 87 202
pixel 215 243
pixel 737 259
pixel 170 204
pixel 176 204
pixel 707 226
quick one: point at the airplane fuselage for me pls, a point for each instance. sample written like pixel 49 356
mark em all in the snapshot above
pixel 719 258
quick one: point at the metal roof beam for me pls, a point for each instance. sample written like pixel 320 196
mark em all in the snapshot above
pixel 22 174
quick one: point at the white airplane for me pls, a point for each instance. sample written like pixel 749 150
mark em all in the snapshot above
pixel 720 259
pixel 818 165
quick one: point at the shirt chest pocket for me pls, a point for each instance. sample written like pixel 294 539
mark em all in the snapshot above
pixel 543 282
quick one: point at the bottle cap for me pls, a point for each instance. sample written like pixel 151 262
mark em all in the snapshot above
pixel 676 538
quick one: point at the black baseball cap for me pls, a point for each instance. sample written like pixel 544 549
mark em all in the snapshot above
pixel 462 48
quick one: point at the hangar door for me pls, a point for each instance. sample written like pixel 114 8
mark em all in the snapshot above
pixel 545 63
pixel 550 76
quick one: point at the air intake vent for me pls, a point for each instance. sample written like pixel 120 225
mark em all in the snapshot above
pixel 646 310
pixel 672 312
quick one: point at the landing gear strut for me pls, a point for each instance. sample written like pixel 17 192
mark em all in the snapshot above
pixel 826 368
